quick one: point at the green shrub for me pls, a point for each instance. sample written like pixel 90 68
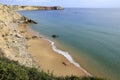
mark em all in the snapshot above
pixel 11 70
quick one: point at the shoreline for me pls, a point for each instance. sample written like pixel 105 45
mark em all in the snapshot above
pixel 67 56
pixel 58 51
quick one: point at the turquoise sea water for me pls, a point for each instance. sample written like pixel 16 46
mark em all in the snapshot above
pixel 91 36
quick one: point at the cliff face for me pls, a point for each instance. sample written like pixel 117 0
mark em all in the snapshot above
pixel 12 43
pixel 16 7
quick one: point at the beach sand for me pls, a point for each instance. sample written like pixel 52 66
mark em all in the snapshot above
pixel 46 58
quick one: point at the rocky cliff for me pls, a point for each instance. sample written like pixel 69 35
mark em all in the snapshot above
pixel 16 7
pixel 12 43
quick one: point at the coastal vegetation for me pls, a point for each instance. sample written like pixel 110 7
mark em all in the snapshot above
pixel 11 70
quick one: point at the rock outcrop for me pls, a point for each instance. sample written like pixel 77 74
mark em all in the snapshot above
pixel 12 43
pixel 16 7
pixel 27 21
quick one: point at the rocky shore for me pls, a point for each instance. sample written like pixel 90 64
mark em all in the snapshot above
pixel 12 43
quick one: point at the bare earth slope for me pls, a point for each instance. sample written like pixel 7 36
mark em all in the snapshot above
pixel 12 43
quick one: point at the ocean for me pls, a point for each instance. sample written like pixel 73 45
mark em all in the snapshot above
pixel 90 36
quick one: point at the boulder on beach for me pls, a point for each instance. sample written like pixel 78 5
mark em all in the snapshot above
pixel 33 37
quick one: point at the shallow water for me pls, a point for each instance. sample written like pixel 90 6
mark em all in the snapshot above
pixel 91 36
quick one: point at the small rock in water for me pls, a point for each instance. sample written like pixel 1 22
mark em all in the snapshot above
pixel 55 36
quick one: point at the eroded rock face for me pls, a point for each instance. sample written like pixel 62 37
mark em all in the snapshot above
pixel 11 46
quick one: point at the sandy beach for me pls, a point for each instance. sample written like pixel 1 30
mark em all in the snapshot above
pixel 46 58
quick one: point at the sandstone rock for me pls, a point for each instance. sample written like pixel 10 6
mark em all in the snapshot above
pixel 12 43
pixel 18 35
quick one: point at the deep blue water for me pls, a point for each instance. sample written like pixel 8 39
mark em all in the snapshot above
pixel 92 36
